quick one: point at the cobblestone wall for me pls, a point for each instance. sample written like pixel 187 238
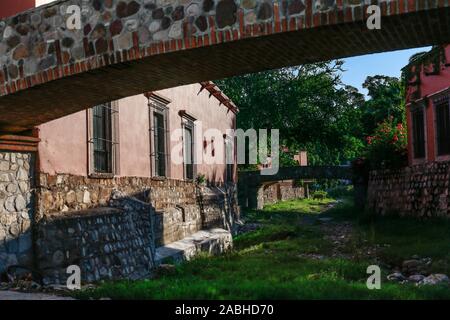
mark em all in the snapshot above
pixel 106 243
pixel 105 226
pixel 16 209
pixel 181 208
pixel 62 193
pixel 282 191
pixel 420 191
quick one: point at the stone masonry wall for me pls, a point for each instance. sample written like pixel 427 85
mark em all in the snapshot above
pixel 281 191
pixel 16 210
pixel 62 193
pixel 108 227
pixel 181 208
pixel 420 191
pixel 106 243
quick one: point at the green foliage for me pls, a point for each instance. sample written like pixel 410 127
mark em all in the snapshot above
pixel 310 106
pixel 200 179
pixel 319 194
pixel 315 111
pixel 387 148
pixel 340 191
pixel 386 101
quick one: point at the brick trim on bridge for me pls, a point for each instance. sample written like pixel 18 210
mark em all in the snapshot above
pixel 343 14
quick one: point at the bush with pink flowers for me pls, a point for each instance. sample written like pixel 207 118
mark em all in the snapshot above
pixel 387 147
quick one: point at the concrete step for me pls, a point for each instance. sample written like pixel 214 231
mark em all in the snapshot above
pixel 213 241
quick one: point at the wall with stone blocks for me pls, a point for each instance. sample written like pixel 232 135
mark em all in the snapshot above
pixel 106 243
pixel 116 241
pixel 181 208
pixel 62 193
pixel 103 225
pixel 282 191
pixel 420 191
pixel 16 210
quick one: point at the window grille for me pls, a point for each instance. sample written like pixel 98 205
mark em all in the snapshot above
pixel 442 127
pixel 418 126
pixel 159 137
pixel 103 139
pixel 190 168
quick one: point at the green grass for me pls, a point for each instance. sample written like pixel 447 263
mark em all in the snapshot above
pixel 406 237
pixel 269 263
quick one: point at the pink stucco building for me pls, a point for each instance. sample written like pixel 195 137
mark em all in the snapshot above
pixel 134 137
pixel 427 105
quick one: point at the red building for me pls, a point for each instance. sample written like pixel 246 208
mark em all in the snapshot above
pixel 427 106
pixel 10 8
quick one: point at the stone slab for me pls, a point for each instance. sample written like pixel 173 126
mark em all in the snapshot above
pixel 213 241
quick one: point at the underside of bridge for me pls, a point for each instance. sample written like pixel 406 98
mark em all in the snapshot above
pixel 130 47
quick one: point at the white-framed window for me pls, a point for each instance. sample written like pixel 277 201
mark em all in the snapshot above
pixel 103 140
pixel 159 136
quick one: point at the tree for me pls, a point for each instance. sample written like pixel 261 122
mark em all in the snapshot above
pixel 386 100
pixel 310 106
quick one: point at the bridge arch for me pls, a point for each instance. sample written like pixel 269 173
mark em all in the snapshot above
pixel 127 47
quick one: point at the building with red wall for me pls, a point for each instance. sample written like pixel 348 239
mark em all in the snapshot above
pixel 10 8
pixel 427 106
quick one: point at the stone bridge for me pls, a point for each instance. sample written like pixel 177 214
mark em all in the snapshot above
pixel 252 183
pixel 127 47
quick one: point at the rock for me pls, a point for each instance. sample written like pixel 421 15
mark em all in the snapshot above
pixel 226 13
pixel 178 13
pixel 416 278
pixel 9 204
pixel 208 5
pixel 396 276
pixel 248 4
pixel 4 165
pixel 21 203
pixel 325 219
pixel 295 7
pixel 158 13
pixel 11 188
pixel 165 23
pixel 71 197
pixel 176 31
pixel 23 186
pixel 265 11
pixel 193 10
pixel 435 279
pixel 154 26
pixel 116 27
pixel 21 52
pixel 201 23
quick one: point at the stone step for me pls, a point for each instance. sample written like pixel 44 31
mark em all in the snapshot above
pixel 213 241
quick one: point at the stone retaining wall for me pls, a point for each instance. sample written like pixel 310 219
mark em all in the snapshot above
pixel 109 227
pixel 281 191
pixel 106 243
pixel 420 191
pixel 62 193
pixel 181 208
pixel 16 210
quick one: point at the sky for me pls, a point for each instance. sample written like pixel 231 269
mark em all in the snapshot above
pixel 387 63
